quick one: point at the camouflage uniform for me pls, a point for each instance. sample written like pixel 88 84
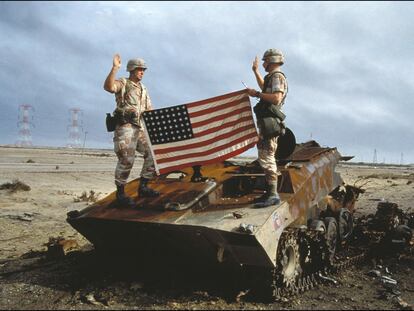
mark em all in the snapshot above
pixel 132 100
pixel 274 82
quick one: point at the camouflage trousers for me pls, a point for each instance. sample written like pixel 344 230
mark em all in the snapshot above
pixel 129 138
pixel 267 158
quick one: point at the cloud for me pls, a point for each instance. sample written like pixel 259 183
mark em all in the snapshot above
pixel 348 64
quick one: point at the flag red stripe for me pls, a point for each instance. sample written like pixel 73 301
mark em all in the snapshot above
pixel 201 143
pixel 206 101
pixel 220 117
pixel 218 159
pixel 217 108
pixel 223 126
pixel 204 153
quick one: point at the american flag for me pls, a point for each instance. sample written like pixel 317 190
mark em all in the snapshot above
pixel 200 133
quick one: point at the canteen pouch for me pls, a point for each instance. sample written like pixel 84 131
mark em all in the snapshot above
pixel 110 122
pixel 271 127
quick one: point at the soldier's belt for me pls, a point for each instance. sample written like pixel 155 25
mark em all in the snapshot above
pixel 123 117
pixel 265 110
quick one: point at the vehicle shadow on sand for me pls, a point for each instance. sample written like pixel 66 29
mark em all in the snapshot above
pixel 89 276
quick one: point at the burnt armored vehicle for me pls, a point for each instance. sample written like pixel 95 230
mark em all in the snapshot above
pixel 206 215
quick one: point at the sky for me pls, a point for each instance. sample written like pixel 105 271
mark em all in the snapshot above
pixel 349 66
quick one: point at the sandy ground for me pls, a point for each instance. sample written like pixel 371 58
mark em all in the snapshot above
pixel 59 177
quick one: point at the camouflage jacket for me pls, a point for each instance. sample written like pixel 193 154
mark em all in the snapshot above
pixel 132 100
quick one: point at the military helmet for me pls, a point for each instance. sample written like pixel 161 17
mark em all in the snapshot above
pixel 274 56
pixel 136 63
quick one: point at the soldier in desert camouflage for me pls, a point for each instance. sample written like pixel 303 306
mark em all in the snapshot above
pixel 132 100
pixel 273 91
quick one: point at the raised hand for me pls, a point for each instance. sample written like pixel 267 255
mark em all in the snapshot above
pixel 255 66
pixel 117 61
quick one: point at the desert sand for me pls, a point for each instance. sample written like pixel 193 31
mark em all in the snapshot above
pixel 62 180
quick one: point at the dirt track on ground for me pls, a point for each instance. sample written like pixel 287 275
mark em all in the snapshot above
pixel 58 179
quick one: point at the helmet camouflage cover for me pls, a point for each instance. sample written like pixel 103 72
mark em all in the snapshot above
pixel 274 56
pixel 136 63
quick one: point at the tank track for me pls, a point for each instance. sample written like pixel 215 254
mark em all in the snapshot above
pixel 316 265
pixel 370 239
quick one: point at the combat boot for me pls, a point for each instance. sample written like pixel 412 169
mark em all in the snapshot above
pixel 122 198
pixel 264 196
pixel 272 197
pixel 144 191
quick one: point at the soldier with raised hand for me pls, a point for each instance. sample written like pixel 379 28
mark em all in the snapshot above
pixel 273 92
pixel 132 100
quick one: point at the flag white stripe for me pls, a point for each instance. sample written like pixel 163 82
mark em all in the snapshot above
pixel 209 157
pixel 219 112
pixel 205 148
pixel 215 104
pixel 202 138
pixel 222 122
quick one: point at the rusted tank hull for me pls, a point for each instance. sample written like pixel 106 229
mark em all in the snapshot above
pixel 204 220
pixel 176 242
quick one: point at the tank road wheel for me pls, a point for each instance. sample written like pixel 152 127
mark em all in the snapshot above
pixel 345 224
pixel 288 260
pixel 331 238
